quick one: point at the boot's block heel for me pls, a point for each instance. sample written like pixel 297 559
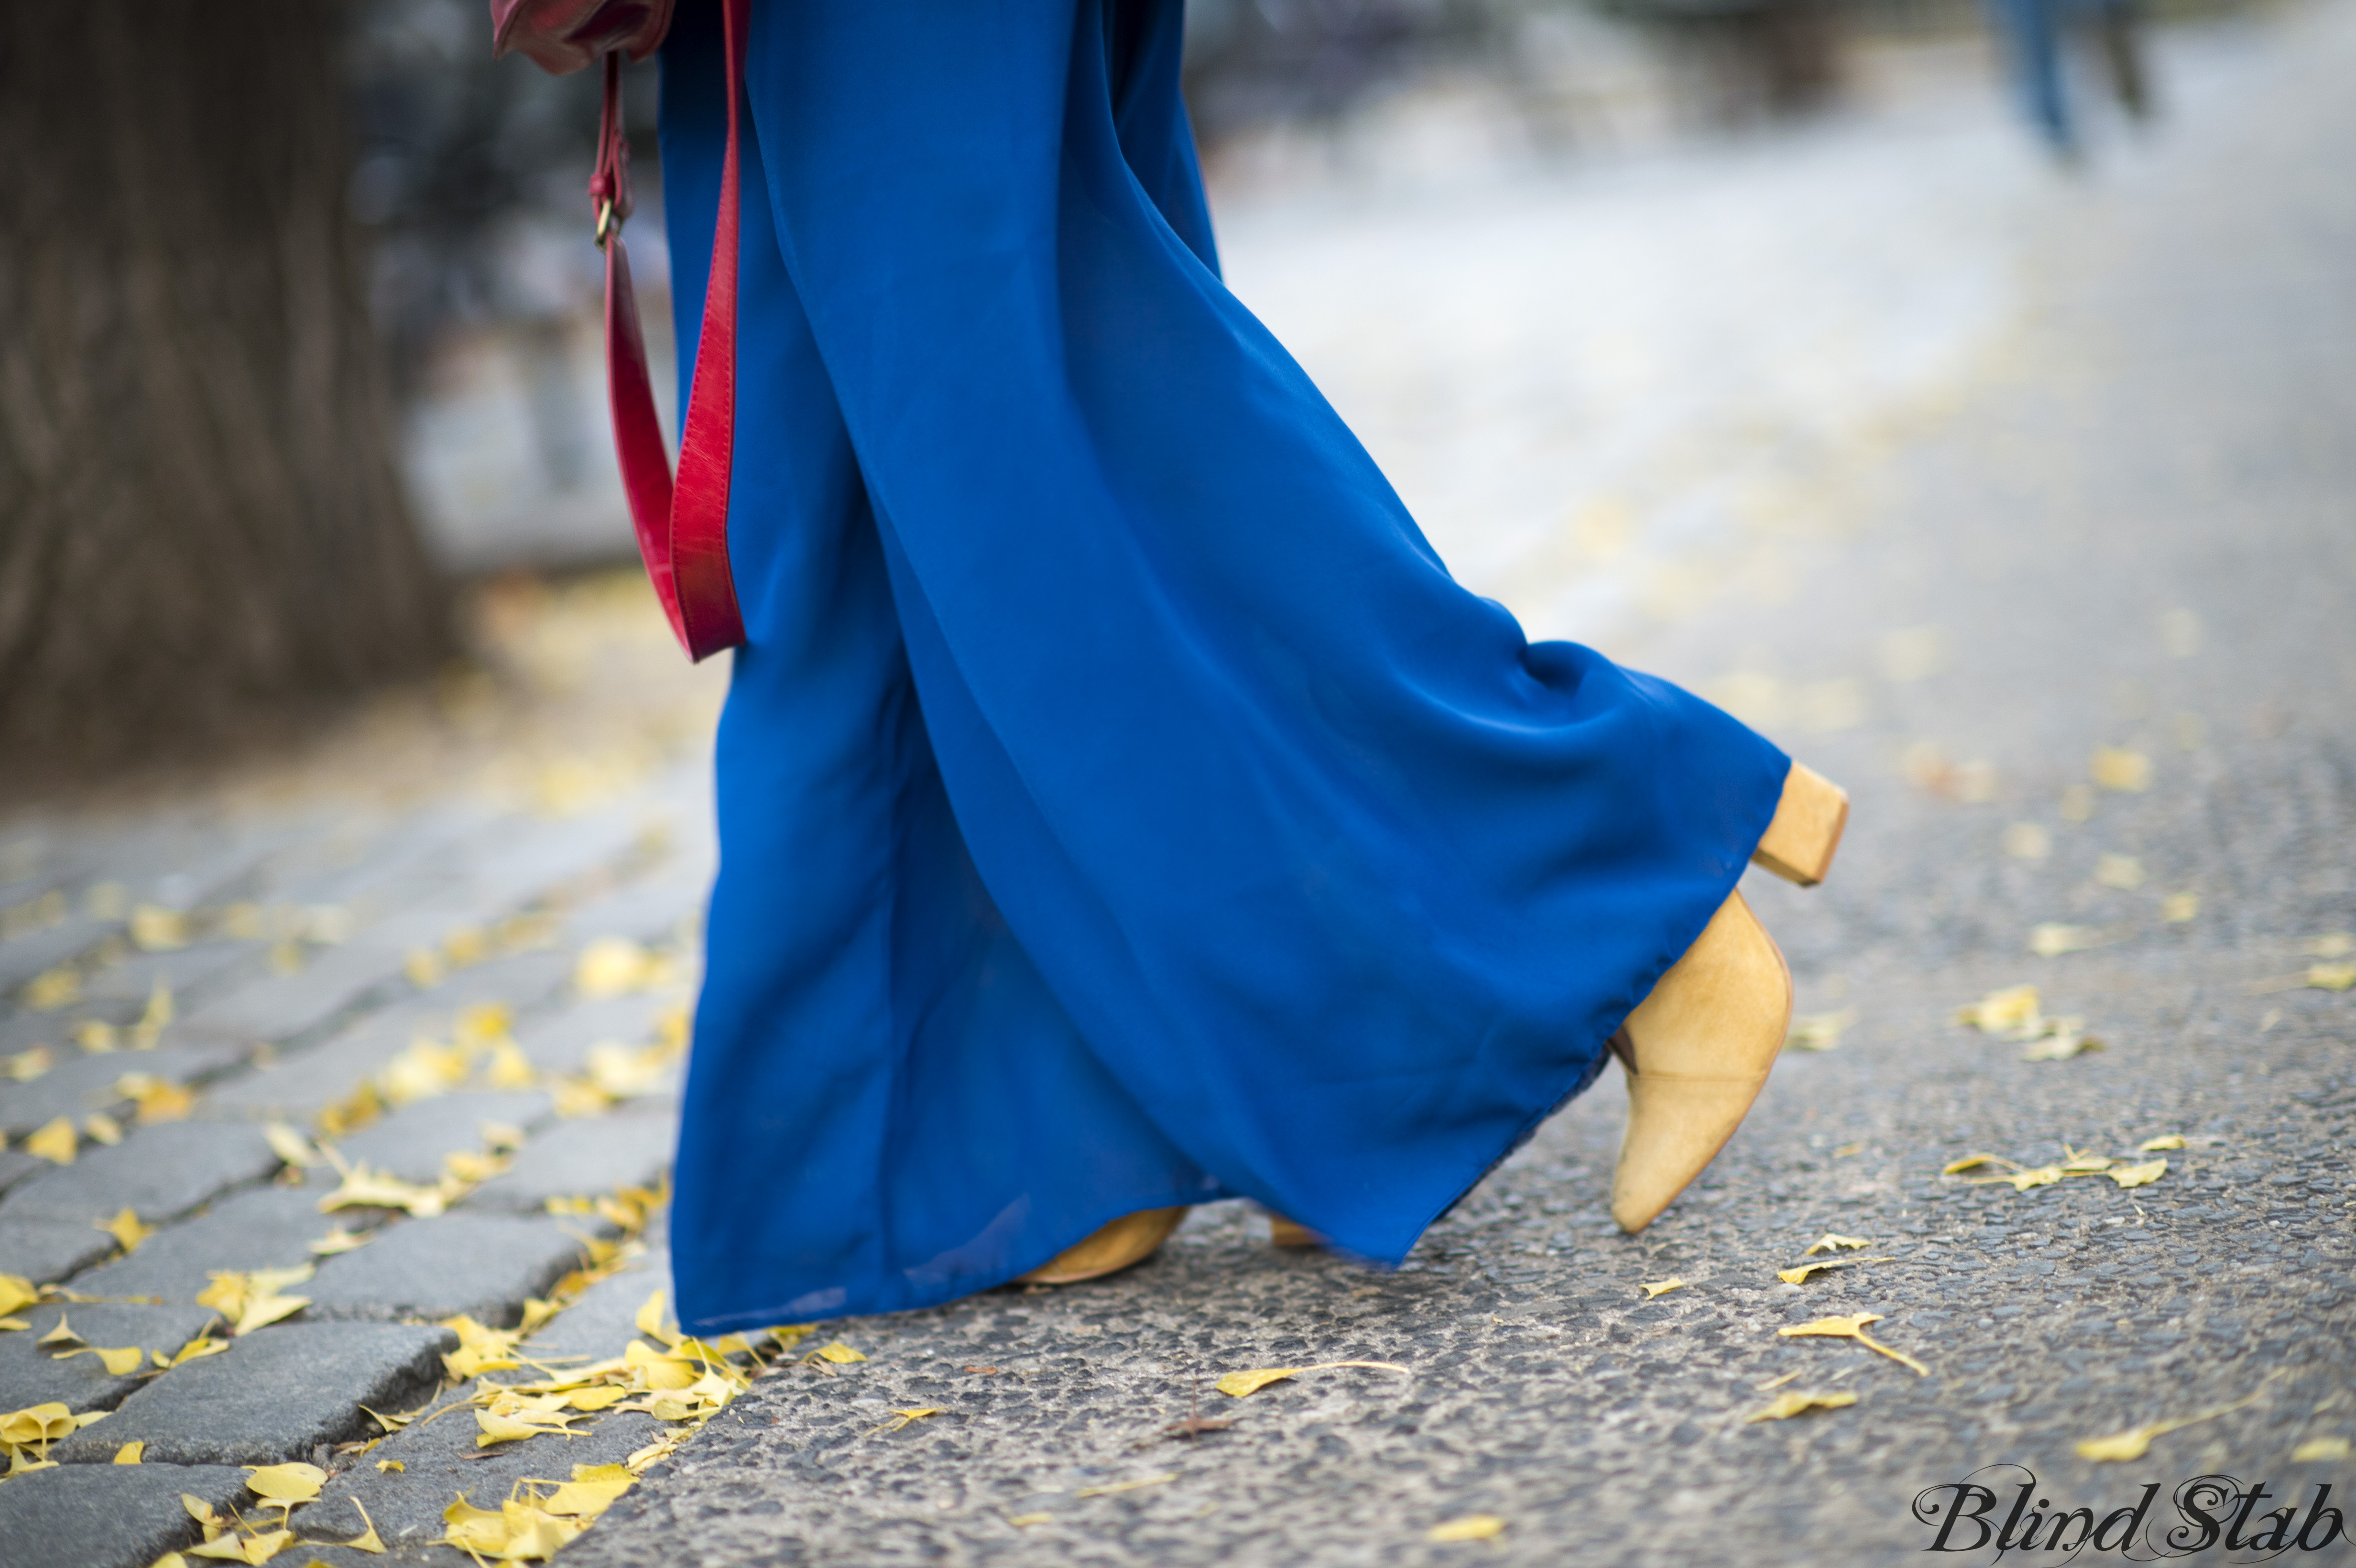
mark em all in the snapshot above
pixel 1798 845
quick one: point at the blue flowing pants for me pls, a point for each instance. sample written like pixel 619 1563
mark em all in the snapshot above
pixel 1119 804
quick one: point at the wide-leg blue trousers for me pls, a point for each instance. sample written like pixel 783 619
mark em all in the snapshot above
pixel 1119 804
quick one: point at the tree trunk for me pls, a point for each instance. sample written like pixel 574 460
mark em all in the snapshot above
pixel 200 521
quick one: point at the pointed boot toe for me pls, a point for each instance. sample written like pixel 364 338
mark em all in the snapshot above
pixel 1131 1239
pixel 1696 1052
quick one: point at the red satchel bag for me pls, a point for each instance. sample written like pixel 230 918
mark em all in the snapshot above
pixel 682 524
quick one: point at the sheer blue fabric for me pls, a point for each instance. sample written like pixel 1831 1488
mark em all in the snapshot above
pixel 1119 804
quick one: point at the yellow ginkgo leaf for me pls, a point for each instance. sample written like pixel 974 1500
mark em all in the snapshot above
pixel 365 1188
pixel 368 1541
pixel 285 1483
pixel 291 1146
pixel 27 1065
pixel 16 1291
pixel 336 1240
pixel 101 1128
pixel 1829 1241
pixel 1660 1287
pixel 127 1229
pixel 2000 1012
pixel 1236 1385
pixel 591 1491
pixel 1472 1527
pixel 493 1427
pixel 2053 938
pixel 2115 767
pixel 610 966
pixel 1785 1406
pixel 2138 1175
pixel 55 1142
pixel 2177 908
pixel 1798 1274
pixel 837 1352
pixel 2153 1146
pixel 2319 1450
pixel 650 1322
pixel 119 1363
pixel 1818 1031
pixel 131 1454
pixel 2330 977
pixel 394 1466
pixel 2085 1164
pixel 36 1424
pixel 64 1334
pixel 1853 1327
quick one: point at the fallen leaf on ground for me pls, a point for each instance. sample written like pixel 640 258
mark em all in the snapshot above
pixel 36 1425
pixel 101 1128
pixel 2001 1012
pixel 2138 1175
pixel 650 1322
pixel 2330 977
pixel 1853 1327
pixel 1970 1162
pixel 64 1334
pixel 1472 1527
pixel 127 1229
pixel 2116 768
pixel 368 1540
pixel 1236 1385
pixel 1830 1242
pixel 250 1549
pixel 53 988
pixel 337 1240
pixel 901 1418
pixel 291 1146
pixel 427 1068
pixel 611 966
pixel 202 1345
pixel 2320 1449
pixel 1660 1287
pixel 2177 908
pixel 2028 841
pixel 2121 1446
pixel 131 1454
pixel 1024 1520
pixel 517 1532
pixel 27 1065
pixel 55 1142
pixel 254 1300
pixel 480 1349
pixel 837 1352
pixel 1818 1031
pixel 2124 873
pixel 2331 945
pixel 1774 1382
pixel 2052 939
pixel 394 1464
pixel 118 1363
pixel 1785 1406
pixel 2153 1146
pixel 1798 1274
pixel 2062 1039
pixel 284 1483
pixel 2084 1163
pixel 592 1490
pixel 363 1188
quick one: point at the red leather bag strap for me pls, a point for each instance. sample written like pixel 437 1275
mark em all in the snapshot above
pixel 682 524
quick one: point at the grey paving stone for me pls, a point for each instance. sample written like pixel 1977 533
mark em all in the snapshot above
pixel 107 1516
pixel 48 1251
pixel 31 1373
pixel 560 1041
pixel 268 1227
pixel 480 1264
pixel 582 1157
pixel 275 1006
pixel 158 1173
pixel 411 1142
pixel 80 1084
pixel 274 1395
pixel 298 1086
pixel 15 1164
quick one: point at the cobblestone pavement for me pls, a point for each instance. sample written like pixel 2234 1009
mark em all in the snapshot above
pixel 2067 610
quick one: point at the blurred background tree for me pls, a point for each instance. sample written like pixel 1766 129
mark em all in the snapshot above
pixel 202 526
